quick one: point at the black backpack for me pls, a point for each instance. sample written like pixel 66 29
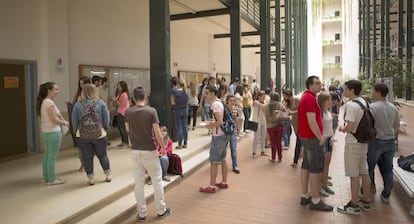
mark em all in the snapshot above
pixel 229 124
pixel 406 163
pixel 366 127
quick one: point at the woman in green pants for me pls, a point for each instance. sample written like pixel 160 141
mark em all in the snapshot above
pixel 50 124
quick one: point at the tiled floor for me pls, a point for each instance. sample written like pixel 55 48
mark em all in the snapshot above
pixel 269 193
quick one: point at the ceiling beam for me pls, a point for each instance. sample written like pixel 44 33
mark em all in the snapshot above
pixel 227 35
pixel 199 14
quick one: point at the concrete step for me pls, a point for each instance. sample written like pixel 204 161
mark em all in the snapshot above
pixel 125 206
pixel 120 203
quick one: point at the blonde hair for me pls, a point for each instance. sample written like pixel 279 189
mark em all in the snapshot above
pixel 181 83
pixel 89 92
pixel 322 98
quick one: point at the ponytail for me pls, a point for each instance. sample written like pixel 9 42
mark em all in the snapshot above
pixel 43 92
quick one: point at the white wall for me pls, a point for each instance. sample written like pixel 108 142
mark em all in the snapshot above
pixel 314 42
pixel 350 43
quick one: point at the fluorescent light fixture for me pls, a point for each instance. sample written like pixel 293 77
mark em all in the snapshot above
pixel 97 73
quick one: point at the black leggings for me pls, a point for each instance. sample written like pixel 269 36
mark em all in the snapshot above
pixel 192 112
pixel 122 129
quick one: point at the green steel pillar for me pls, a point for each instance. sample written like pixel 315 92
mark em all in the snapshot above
pixel 382 28
pixel 409 46
pixel 387 29
pixel 296 44
pixel 364 37
pixel 400 38
pixel 264 43
pixel 368 37
pixel 235 39
pixel 360 34
pixel 304 74
pixel 288 45
pixel 278 80
pixel 160 60
pixel 374 30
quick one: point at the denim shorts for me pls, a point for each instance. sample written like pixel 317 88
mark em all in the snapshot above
pixel 328 144
pixel 218 148
pixel 313 155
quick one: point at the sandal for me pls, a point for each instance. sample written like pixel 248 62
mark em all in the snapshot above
pixel 222 185
pixel 208 189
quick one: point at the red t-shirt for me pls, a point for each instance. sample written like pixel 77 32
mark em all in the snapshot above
pixel 308 104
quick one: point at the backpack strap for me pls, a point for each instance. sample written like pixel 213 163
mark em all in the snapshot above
pixel 361 105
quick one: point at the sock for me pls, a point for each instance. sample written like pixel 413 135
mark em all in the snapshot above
pixel 316 200
pixel 306 195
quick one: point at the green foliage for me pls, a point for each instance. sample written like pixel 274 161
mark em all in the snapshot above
pixel 366 84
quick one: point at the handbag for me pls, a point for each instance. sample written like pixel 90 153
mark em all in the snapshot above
pixel 252 125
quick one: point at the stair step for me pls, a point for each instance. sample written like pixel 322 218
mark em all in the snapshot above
pixel 125 206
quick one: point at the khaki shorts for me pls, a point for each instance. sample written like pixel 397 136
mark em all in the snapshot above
pixel 355 157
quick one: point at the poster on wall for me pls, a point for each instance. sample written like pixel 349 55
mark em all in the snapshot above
pixel 11 82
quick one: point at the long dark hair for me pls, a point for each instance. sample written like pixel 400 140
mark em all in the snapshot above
pixel 124 87
pixel 43 92
pixel 85 80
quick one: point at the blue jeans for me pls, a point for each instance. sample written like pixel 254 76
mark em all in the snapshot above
pixel 381 152
pixel 233 149
pixel 218 148
pixel 165 162
pixel 90 147
pixel 180 118
pixel 122 129
pixel 297 149
pixel 287 132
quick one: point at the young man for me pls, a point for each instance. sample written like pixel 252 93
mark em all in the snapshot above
pixel 230 102
pixel 355 154
pixel 381 149
pixel 142 121
pixel 218 144
pixel 310 133
pixel 233 86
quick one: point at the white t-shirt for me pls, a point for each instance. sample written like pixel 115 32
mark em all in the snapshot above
pixel 353 113
pixel 217 107
pixel 46 125
pixel 327 124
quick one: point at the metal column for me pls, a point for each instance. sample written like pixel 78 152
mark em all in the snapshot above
pixel 382 27
pixel 304 74
pixel 374 31
pixel 264 43
pixel 409 45
pixel 278 80
pixel 288 44
pixel 235 39
pixel 160 60
pixel 367 37
pixel 296 44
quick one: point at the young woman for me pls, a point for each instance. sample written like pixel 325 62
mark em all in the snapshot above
pixel 324 101
pixel 179 102
pixel 81 83
pixel 287 125
pixel 50 124
pixel 92 145
pixel 122 100
pixel 275 126
pixel 168 150
pixel 192 105
pixel 247 104
pixel 259 107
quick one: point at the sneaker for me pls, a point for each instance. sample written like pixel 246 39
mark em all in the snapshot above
pixel 279 160
pixel 57 182
pixel 91 182
pixel 329 183
pixel 272 160
pixel 349 208
pixel 178 147
pixel 321 206
pixel 263 154
pixel 222 185
pixel 184 146
pixel 366 205
pixel 236 170
pixel 165 214
pixel 165 178
pixel 254 155
pixel 328 190
pixel 384 200
pixel 294 165
pixel 208 189
pixel 285 148
pixel 305 201
pixel 373 188
pixel 141 219
pixel 323 193
pixel 149 182
pixel 108 178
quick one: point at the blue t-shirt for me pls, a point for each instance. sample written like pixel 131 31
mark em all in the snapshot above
pixel 181 98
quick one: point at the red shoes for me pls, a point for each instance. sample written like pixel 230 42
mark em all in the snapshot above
pixel 222 185
pixel 208 189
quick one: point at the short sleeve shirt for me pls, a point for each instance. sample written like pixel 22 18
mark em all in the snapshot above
pixel 122 110
pixel 217 107
pixel 46 124
pixel 140 120
pixel 308 104
pixel 353 113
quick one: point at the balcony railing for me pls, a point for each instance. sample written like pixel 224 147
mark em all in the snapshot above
pixel 251 9
pixel 330 65
pixel 326 43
